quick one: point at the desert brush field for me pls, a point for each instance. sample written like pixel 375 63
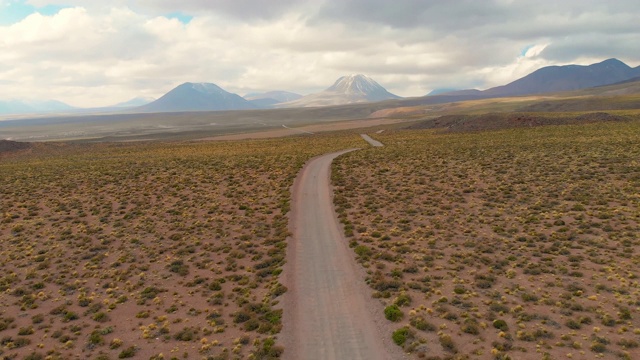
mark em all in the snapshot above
pixel 509 244
pixel 504 244
pixel 147 250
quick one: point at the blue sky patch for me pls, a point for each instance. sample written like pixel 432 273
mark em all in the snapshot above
pixel 185 19
pixel 14 11
pixel 524 51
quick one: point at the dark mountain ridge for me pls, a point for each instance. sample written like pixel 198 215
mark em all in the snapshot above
pixel 562 78
pixel 197 97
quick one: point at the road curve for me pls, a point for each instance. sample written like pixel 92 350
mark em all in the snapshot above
pixel 327 313
pixel 372 142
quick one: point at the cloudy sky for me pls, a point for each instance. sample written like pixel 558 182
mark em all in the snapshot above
pixel 95 53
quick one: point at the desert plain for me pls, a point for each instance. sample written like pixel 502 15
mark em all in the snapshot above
pixel 513 239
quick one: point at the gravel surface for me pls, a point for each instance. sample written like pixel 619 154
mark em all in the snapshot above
pixel 329 313
pixel 374 143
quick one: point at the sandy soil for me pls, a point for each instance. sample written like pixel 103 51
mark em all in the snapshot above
pixel 345 125
pixel 329 314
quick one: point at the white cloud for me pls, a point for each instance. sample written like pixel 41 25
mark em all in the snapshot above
pixel 99 53
pixel 535 50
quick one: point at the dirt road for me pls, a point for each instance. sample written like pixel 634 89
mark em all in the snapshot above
pixel 372 142
pixel 329 313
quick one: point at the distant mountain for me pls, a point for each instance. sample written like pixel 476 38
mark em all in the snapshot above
pixel 280 96
pixel 567 78
pixel 267 100
pixel 468 92
pixel 441 91
pixel 32 107
pixel 562 78
pixel 197 97
pixel 135 102
pixel 264 103
pixel 628 81
pixel 346 90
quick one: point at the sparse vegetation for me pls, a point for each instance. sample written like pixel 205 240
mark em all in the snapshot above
pixel 110 250
pixel 507 243
pixel 497 244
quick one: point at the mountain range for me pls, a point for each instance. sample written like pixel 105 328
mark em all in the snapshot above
pixel 349 89
pixel 561 78
pixel 210 97
pixel 271 98
pixel 135 102
pixel 29 107
pixel 22 107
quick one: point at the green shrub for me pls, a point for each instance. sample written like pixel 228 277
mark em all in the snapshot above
pixel 37 319
pixel 403 300
pixel 470 327
pixel 241 316
pixel 572 324
pixel 421 324
pixel 393 313
pixel 628 343
pixel 251 324
pixel 608 320
pixel 34 356
pixel 70 315
pixel 447 343
pixel 459 290
pixel 186 334
pixel 215 286
pixel 100 317
pixel 26 331
pixel 278 290
pixel 625 314
pixel 128 352
pixel 179 267
pixel 150 292
pixel 500 325
pixel 598 347
pixel 20 342
pixel 400 336
pixel 267 349
pixel 363 251
pixel 96 338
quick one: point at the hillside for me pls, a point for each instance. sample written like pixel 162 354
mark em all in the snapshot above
pixel 566 78
pixel 562 78
pixel 349 89
pixel 32 107
pixel 197 97
pixel 509 120
pixel 8 146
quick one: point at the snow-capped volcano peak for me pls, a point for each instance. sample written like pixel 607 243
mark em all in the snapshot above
pixel 349 89
pixel 356 84
pixel 205 88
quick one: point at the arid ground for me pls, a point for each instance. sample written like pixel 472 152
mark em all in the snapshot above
pixel 147 250
pixel 517 243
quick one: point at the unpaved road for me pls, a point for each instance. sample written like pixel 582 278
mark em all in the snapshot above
pixel 329 313
pixel 317 128
pixel 372 142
